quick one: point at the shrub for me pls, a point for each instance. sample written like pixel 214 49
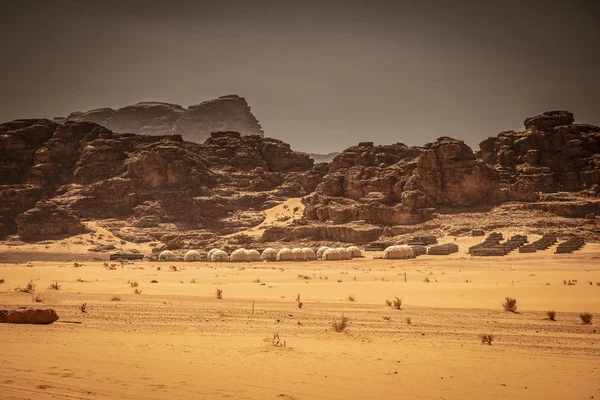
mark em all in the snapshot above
pixel 551 315
pixel 388 303
pixel 341 325
pixel 397 303
pixel 2 281
pixel 351 297
pixel 158 268
pixel 115 298
pixel 83 307
pixel 173 268
pixel 510 304
pixel 426 280
pixel 38 298
pixel 137 291
pixel 77 265
pixel 486 338
pixel 408 320
pixel 55 286
pixel 30 288
pixel 219 294
pixel 586 318
pixel 300 304
pixel 133 284
pixel 275 341
pixel 193 280
pixel 80 280
pixel 257 280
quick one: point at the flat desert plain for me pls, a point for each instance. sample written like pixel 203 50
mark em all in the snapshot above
pixel 177 340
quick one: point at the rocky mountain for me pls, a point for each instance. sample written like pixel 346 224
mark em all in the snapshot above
pixel 194 124
pixel 326 158
pixel 54 176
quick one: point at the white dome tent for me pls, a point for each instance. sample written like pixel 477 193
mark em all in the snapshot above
pixel 210 253
pixel 355 251
pixel 345 253
pixel 320 252
pixel 269 254
pixel 309 253
pixel 398 252
pixel 299 254
pixel 239 255
pixel 166 255
pixel 219 256
pixel 285 254
pixel 253 255
pixel 332 255
pixel 192 255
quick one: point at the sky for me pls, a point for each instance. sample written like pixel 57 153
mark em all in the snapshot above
pixel 320 75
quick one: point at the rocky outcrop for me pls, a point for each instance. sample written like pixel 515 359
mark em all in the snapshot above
pixel 25 315
pixel 155 184
pixel 349 233
pixel 195 123
pixel 551 155
pixel 47 220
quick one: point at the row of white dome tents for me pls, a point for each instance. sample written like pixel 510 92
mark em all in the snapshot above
pixel 269 254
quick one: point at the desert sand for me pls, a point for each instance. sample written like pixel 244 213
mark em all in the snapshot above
pixel 176 339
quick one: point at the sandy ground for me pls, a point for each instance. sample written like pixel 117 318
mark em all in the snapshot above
pixel 176 339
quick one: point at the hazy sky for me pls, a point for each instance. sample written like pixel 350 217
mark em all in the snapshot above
pixel 321 75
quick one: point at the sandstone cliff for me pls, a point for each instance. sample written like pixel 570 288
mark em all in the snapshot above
pixel 194 124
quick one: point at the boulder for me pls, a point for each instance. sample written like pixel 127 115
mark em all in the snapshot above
pixel 28 316
pixel 549 120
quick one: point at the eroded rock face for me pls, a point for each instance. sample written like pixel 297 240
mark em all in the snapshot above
pixel 156 184
pixel 551 155
pixel 42 316
pixel 47 220
pixel 195 124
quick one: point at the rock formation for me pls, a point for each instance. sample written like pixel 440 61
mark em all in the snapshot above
pixel 26 315
pixel 194 124
pixel 181 194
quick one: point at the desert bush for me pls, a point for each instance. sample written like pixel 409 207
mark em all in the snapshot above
pixel 387 318
pixel 300 304
pixel 339 281
pixel 341 325
pixel 510 304
pixel 158 268
pixel 115 298
pixel 426 280
pixel 257 280
pixel 83 308
pixel 30 288
pixel 173 268
pixel 397 303
pixel 388 303
pixel 193 280
pixel 408 320
pixel 133 284
pixel 597 283
pixel 80 280
pixel 307 277
pixel 586 318
pixel 551 315
pixel 38 298
pixel 137 291
pixel 486 338
pixel 351 297
pixel 275 341
pixel 55 286
pixel 77 265
pixel 2 280
pixel 219 294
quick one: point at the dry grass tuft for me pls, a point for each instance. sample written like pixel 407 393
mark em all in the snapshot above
pixel 137 291
pixel 351 297
pixel 388 303
pixel 173 268
pixel 30 288
pixel 586 318
pixel 300 304
pixel 38 298
pixel 397 303
pixel 276 341
pixel 83 308
pixel 486 338
pixel 133 284
pixel 219 294
pixel 115 298
pixel 551 315
pixel 77 265
pixel 510 304
pixel 193 280
pixel 80 280
pixel 341 325
pixel 408 320
pixel 2 280
pixel 55 286
pixel 426 280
